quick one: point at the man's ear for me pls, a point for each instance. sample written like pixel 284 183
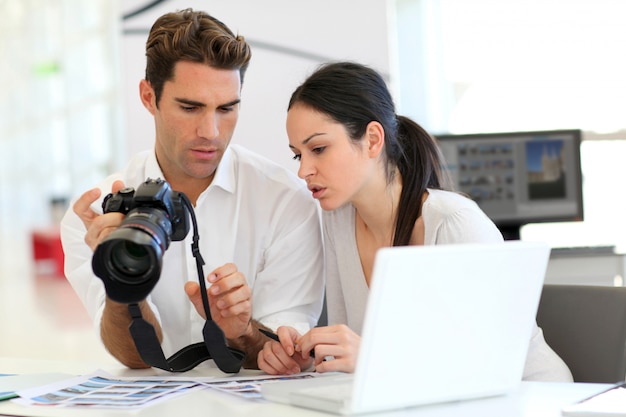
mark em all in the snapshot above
pixel 147 96
pixel 375 136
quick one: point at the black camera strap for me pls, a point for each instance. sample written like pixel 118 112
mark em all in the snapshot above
pixel 149 348
pixel 228 359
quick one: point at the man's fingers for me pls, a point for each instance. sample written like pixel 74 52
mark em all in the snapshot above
pixel 231 297
pixel 274 360
pixel 192 289
pixel 100 227
pixel 117 186
pixel 236 310
pixel 224 271
pixel 288 336
pixel 82 206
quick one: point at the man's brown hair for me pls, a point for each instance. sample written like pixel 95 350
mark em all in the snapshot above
pixel 193 36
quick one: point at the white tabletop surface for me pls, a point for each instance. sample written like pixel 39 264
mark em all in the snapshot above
pixel 532 399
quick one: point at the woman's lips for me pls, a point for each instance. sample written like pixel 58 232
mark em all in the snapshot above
pixel 317 191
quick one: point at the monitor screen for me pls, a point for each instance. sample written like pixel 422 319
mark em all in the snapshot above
pixel 518 177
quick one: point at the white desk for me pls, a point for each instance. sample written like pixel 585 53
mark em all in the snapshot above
pixel 533 399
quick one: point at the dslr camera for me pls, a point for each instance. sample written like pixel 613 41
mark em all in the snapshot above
pixel 129 259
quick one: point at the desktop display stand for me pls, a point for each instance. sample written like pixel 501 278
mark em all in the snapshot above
pixel 510 232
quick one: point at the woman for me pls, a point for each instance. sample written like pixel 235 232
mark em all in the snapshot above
pixel 378 178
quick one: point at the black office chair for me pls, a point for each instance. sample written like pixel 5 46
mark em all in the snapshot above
pixel 586 327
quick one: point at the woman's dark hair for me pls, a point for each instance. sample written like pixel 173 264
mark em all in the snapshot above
pixel 194 36
pixel 355 95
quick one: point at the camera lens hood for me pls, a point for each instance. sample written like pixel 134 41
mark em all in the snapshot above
pixel 129 263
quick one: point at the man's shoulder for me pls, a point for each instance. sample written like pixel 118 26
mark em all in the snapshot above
pixel 140 158
pixel 243 155
pixel 139 167
pixel 255 167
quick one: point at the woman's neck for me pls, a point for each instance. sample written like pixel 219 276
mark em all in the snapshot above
pixel 377 210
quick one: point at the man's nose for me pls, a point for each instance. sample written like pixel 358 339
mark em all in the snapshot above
pixel 208 127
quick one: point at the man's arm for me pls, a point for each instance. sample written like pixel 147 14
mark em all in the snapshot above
pixel 116 336
pixel 251 342
pixel 78 244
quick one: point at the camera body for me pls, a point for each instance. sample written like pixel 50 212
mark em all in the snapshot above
pixel 129 259
pixel 152 194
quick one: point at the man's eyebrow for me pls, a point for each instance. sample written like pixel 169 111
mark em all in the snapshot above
pixel 190 102
pixel 232 103
pixel 199 104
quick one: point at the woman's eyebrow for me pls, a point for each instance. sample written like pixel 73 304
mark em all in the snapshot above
pixel 307 140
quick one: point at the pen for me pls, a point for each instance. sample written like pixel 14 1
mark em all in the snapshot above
pixel 274 336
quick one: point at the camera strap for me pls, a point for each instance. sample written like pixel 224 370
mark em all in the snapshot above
pixel 228 359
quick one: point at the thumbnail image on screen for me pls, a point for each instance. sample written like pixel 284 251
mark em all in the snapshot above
pixel 546 170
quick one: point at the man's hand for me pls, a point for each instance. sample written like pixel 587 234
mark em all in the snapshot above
pixel 281 358
pixel 98 225
pixel 229 299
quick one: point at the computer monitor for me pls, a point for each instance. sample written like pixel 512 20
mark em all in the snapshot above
pixel 518 177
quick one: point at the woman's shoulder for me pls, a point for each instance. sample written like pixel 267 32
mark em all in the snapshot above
pixel 452 217
pixel 449 201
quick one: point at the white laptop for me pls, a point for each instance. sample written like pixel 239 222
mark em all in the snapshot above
pixel 443 323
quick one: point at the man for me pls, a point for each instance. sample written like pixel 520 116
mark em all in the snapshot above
pixel 259 229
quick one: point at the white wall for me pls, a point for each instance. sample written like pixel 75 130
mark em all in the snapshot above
pixel 318 30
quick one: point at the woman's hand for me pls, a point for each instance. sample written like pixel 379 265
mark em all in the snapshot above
pixel 337 341
pixel 282 358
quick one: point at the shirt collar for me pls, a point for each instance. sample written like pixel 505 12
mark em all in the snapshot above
pixel 225 174
pixel 153 170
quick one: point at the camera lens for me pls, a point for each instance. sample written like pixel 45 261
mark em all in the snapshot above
pixel 130 258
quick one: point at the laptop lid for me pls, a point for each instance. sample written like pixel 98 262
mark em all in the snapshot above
pixel 443 323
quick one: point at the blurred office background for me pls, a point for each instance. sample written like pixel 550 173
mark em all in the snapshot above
pixel 70 112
